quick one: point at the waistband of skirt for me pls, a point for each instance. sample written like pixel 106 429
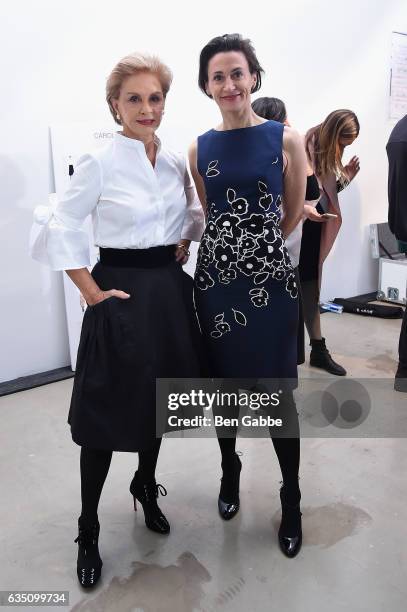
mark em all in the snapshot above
pixel 153 257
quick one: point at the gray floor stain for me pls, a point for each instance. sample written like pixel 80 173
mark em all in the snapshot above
pixel 153 588
pixel 327 525
pixel 383 362
pixel 226 596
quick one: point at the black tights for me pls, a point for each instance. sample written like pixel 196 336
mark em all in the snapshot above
pixel 310 308
pixel 95 464
pixel 309 274
pixel 287 449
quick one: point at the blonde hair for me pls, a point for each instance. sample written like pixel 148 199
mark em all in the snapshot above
pixel 135 63
pixel 324 140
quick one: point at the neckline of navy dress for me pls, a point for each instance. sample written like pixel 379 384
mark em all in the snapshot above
pixel 248 127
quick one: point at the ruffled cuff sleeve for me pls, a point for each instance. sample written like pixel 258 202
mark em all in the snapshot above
pixel 57 237
pixel 194 222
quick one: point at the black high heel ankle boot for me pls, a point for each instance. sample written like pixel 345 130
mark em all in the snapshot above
pixel 290 531
pixel 228 501
pixel 89 564
pixel 147 494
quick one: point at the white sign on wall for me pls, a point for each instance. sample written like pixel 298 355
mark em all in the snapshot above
pixel 68 143
pixel 398 76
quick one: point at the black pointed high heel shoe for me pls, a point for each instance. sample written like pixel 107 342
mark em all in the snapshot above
pixel 290 531
pixel 89 564
pixel 228 501
pixel 147 494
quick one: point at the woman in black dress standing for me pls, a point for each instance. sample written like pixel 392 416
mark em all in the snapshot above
pixel 139 324
pixel 274 108
pixel 325 144
pixel 250 175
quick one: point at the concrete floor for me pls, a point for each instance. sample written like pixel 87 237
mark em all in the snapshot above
pixel 354 511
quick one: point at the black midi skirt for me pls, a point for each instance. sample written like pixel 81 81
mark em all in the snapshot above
pixel 126 344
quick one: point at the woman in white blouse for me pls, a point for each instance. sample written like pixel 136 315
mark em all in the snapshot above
pixel 140 323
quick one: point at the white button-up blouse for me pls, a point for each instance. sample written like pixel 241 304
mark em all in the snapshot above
pixel 133 205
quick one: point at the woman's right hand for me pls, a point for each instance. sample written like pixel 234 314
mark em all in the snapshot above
pixel 100 296
pixel 312 214
pixel 89 289
pixel 352 168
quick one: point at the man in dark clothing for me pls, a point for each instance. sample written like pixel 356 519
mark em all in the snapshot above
pixel 397 186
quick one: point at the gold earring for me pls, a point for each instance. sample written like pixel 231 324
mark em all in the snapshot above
pixel 118 117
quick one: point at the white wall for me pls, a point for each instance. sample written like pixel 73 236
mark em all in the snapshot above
pixel 55 57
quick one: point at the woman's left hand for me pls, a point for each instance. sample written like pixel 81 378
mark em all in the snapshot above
pixel 311 213
pixel 352 168
pixel 182 252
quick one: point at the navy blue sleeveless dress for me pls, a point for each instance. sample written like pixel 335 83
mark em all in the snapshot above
pixel 245 290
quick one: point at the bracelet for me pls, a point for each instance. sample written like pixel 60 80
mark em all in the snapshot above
pixel 184 248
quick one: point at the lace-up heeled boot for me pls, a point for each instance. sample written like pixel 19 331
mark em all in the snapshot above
pixel 89 564
pixel 147 493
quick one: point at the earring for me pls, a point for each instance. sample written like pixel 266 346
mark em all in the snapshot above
pixel 118 117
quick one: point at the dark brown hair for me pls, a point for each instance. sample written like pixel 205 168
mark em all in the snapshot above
pixel 223 44
pixel 270 108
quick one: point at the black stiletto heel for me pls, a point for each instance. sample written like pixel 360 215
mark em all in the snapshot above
pixel 147 494
pixel 290 531
pixel 228 501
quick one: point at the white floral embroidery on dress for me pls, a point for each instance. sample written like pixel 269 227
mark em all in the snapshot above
pixel 291 286
pixel 239 241
pixel 239 205
pixel 212 169
pixel 259 297
pixel 279 204
pixel 203 280
pixel 223 279
pixel 240 318
pixel 261 278
pixel 266 200
pixel 221 326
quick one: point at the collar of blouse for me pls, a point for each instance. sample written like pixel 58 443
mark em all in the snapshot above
pixel 133 143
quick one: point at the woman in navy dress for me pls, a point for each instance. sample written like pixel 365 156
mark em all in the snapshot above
pixel 250 176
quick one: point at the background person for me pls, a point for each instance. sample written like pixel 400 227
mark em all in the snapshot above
pixel 397 190
pixel 274 109
pixel 324 145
